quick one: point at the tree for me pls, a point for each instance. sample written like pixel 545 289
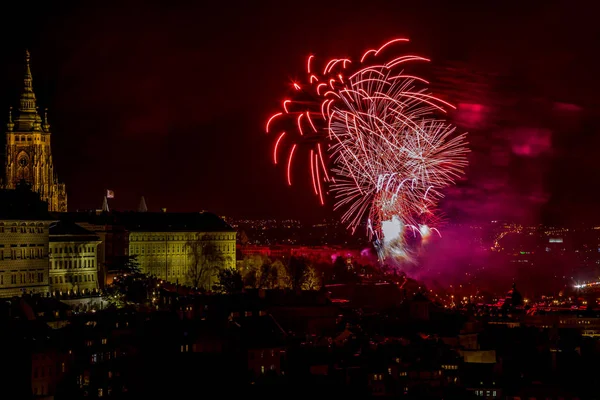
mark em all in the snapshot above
pixel 124 264
pixel 312 280
pixel 205 260
pixel 230 281
pixel 250 268
pixel 278 277
pixel 264 281
pixel 297 270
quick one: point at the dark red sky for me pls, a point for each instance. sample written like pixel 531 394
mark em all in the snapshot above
pixel 170 102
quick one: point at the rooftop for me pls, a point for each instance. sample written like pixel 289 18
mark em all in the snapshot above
pixel 68 229
pixel 153 221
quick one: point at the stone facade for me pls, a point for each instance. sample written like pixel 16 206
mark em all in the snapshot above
pixel 163 243
pixel 28 151
pixel 24 257
pixel 73 259
pixel 168 255
pixel 24 238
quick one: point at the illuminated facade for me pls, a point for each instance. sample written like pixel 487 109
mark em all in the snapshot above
pixel 167 255
pixel 24 229
pixel 161 242
pixel 73 259
pixel 28 152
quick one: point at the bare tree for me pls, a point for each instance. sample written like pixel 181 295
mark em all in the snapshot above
pixel 205 261
pixel 312 279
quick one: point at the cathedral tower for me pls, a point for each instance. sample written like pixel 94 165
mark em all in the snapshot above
pixel 28 153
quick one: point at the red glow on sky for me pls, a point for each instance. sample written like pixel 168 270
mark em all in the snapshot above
pixel 531 142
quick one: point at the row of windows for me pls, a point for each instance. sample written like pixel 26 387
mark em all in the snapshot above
pixel 99 357
pixel 262 368
pixel 27 138
pixel 21 254
pixel 90 343
pixel 72 279
pixel 486 393
pixel 157 249
pixel 180 237
pixel 160 271
pixel 22 278
pixel 76 249
pixel 575 321
pixel 41 390
pixel 450 366
pixel 23 229
pixel 68 264
pixel 174 249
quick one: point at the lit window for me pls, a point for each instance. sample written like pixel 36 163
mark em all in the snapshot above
pixel 104 341
pixel 389 371
pixel 262 369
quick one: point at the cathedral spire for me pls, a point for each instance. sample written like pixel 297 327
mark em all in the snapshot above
pixel 27 97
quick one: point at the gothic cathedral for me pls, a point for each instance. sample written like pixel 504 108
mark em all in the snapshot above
pixel 28 154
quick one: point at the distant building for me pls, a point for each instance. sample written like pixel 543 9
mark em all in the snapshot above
pixel 73 259
pixel 163 243
pixel 24 225
pixel 28 151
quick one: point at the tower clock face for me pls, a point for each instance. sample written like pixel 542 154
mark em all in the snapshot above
pixel 23 162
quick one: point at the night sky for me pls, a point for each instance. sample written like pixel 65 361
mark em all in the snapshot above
pixel 170 101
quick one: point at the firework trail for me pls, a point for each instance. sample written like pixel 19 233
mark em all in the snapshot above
pixel 373 139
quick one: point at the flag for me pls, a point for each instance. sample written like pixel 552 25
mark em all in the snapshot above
pixel 110 194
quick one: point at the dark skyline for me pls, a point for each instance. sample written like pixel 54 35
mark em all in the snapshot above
pixel 170 102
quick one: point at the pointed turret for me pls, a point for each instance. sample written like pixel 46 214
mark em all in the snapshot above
pixel 105 205
pixel 10 125
pixel 46 125
pixel 28 97
pixel 142 207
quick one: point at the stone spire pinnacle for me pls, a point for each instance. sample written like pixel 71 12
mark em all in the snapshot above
pixel 142 207
pixel 46 124
pixel 27 97
pixel 10 125
pixel 105 205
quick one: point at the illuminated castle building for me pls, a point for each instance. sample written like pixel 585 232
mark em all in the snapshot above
pixel 24 242
pixel 28 153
